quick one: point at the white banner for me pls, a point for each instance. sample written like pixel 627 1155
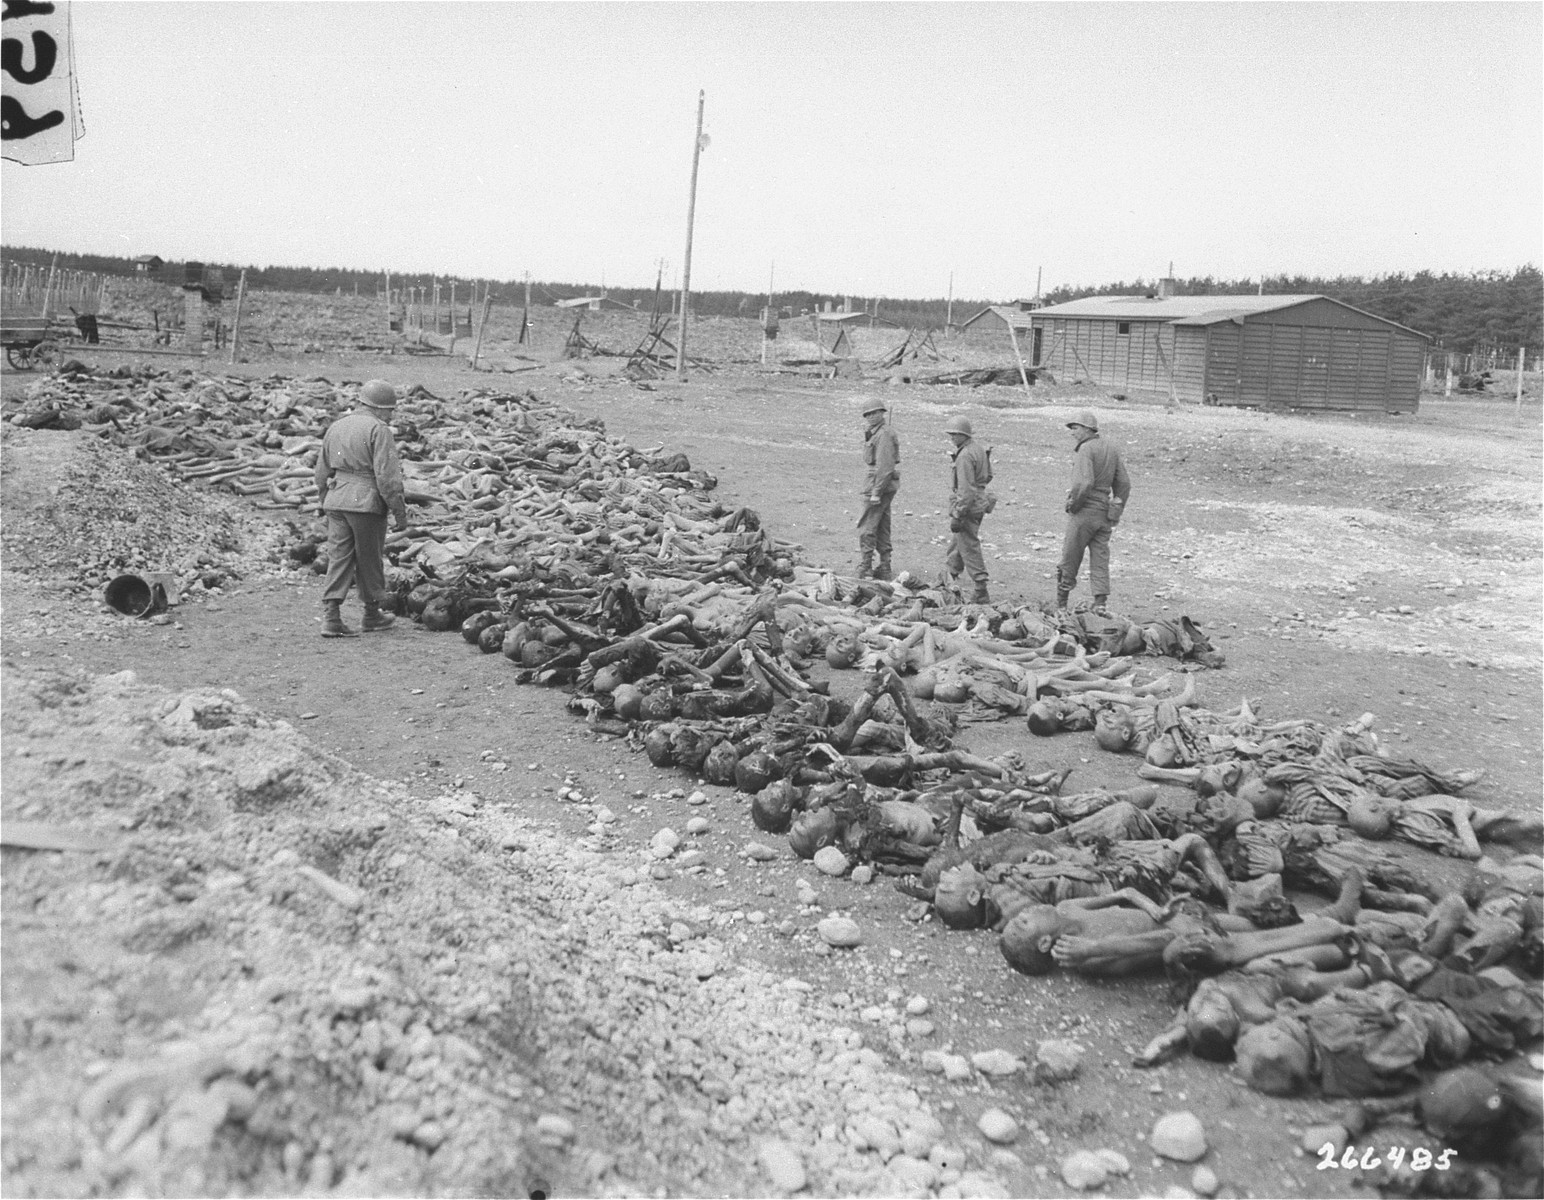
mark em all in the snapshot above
pixel 39 113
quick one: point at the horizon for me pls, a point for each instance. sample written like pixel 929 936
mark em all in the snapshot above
pixel 491 140
pixel 599 289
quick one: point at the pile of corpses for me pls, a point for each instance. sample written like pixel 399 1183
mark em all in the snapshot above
pixel 1397 978
pixel 681 624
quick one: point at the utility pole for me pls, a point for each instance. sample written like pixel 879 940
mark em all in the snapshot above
pixel 686 265
pixel 765 324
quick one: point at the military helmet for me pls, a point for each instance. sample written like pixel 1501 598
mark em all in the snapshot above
pixel 958 425
pixel 378 394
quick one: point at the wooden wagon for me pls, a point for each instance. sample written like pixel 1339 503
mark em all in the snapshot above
pixel 29 341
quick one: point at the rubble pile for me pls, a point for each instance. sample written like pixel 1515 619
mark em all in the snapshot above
pixel 104 514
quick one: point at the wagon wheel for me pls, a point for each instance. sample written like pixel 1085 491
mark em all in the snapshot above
pixel 18 357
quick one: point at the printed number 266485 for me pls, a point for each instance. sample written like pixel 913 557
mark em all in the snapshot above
pixel 1421 1159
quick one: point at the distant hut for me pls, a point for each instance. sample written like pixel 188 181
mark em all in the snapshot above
pixel 1299 351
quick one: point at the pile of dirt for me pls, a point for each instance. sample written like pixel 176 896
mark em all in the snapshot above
pixel 281 974
pixel 79 511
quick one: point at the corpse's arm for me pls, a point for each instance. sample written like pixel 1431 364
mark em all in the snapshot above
pixel 1128 897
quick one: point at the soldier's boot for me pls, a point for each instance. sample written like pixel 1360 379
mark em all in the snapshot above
pixel 980 596
pixel 883 570
pixel 866 565
pixel 376 619
pixel 332 620
pixel 1101 604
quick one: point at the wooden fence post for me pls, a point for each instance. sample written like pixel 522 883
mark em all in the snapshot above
pixel 487 307
pixel 241 291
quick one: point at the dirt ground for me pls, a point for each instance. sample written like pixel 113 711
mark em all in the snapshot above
pixel 1343 564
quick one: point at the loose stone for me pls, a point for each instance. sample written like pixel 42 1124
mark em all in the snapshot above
pixel 842 932
pixel 1180 1136
pixel 997 1126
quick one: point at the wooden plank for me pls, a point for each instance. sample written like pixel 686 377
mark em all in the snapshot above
pixel 1286 365
pixel 39 835
pixel 1345 350
pixel 1313 389
pixel 1405 357
pixel 1254 365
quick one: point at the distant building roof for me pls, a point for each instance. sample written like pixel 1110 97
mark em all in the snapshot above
pixel 1192 310
pixel 1170 308
pixel 1016 315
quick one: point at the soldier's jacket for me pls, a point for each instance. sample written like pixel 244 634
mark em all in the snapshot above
pixel 882 457
pixel 972 472
pixel 357 469
pixel 1098 474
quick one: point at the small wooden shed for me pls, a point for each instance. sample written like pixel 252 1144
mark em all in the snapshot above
pixel 1308 352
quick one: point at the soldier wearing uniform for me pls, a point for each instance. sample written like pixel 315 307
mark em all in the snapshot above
pixel 882 457
pixel 359 478
pixel 1095 502
pixel 969 501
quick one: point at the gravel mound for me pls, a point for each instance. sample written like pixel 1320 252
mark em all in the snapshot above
pixel 79 511
pixel 282 974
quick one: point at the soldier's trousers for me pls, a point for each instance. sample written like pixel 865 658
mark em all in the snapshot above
pixel 356 547
pixel 874 527
pixel 1087 529
pixel 965 552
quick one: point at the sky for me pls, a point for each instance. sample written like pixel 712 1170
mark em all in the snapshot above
pixel 873 149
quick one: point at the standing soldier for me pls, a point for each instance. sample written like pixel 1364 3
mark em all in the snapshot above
pixel 882 457
pixel 969 501
pixel 359 479
pixel 1095 502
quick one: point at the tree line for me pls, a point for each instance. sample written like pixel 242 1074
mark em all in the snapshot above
pixel 1463 312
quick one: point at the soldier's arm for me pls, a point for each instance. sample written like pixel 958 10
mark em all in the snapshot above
pixel 388 473
pixel 887 453
pixel 322 474
pixel 1082 478
pixel 1120 486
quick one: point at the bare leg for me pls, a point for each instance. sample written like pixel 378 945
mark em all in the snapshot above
pixel 1312 985
pixel 1078 953
pixel 1349 902
pixel 1209 953
pixel 1395 901
pixel 1447 920
pixel 1194 847
pixel 1317 958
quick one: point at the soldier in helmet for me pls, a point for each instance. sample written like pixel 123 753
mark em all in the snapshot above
pixel 1095 502
pixel 359 478
pixel 882 457
pixel 969 501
